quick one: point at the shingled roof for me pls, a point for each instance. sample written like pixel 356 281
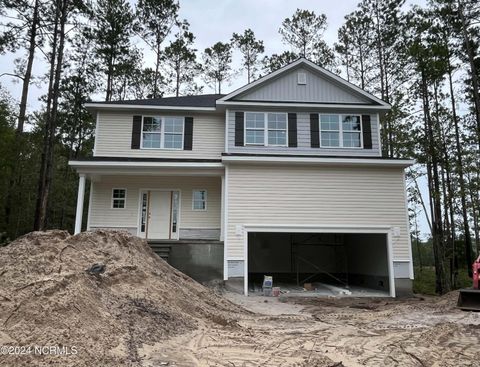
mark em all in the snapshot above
pixel 205 100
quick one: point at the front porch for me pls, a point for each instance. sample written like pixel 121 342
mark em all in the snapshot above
pixel 152 199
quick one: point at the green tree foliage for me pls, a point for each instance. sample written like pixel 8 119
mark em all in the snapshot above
pixel 156 19
pixel 216 67
pixel 111 31
pixel 180 61
pixel 304 32
pixel 277 61
pixel 251 49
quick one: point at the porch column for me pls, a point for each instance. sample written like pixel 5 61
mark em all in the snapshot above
pixel 222 210
pixel 80 199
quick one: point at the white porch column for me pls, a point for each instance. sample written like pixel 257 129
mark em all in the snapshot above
pixel 222 210
pixel 80 199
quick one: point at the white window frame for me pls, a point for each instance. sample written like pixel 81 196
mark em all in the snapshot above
pixel 340 130
pixel 162 132
pixel 124 199
pixel 265 130
pixel 205 200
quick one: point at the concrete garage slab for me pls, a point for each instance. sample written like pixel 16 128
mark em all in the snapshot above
pixel 323 290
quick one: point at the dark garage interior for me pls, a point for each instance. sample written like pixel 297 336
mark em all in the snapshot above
pixel 353 264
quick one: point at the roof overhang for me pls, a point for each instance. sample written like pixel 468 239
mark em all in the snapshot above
pixel 311 106
pixel 94 169
pixel 325 161
pixel 92 106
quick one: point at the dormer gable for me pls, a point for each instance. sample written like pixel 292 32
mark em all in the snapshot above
pixel 303 82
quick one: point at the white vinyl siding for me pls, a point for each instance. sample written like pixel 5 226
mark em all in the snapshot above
pixel 102 214
pixel 114 136
pixel 316 195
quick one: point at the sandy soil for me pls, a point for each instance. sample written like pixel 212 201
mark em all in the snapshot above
pixel 332 332
pixel 141 312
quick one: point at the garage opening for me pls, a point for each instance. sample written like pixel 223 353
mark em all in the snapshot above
pixel 330 264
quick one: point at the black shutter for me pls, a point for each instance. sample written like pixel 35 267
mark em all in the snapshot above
pixel 136 131
pixel 367 132
pixel 314 131
pixel 188 134
pixel 292 130
pixel 239 129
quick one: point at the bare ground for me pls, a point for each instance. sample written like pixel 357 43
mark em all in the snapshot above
pixel 142 312
pixel 332 332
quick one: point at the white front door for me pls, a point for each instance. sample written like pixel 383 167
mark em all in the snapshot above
pixel 160 215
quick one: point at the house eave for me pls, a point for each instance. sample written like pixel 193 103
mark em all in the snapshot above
pixel 333 106
pixel 326 161
pixel 95 168
pixel 92 106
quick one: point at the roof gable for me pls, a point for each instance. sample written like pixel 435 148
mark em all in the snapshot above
pixel 321 87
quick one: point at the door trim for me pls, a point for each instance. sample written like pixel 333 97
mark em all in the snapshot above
pixel 139 214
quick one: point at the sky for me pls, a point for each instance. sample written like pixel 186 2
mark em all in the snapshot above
pixel 215 20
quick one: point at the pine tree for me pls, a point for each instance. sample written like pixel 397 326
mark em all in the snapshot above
pixel 156 19
pixel 304 32
pixel 111 31
pixel 216 68
pixel 277 61
pixel 251 49
pixel 181 63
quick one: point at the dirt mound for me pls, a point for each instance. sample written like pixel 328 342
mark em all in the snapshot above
pixel 102 317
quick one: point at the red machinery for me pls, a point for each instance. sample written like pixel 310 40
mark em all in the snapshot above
pixel 476 271
pixel 469 298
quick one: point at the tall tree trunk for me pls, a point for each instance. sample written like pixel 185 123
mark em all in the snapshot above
pixel 441 280
pixel 28 71
pixel 460 174
pixel 473 68
pixel 16 167
pixel 157 72
pixel 45 179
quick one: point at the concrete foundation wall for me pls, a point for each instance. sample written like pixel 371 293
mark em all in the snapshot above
pixel 404 287
pixel 201 261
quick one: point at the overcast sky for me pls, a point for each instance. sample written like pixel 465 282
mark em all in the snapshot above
pixel 215 20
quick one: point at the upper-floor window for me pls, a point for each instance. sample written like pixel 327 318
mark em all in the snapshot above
pixel 344 131
pixel 266 128
pixel 162 132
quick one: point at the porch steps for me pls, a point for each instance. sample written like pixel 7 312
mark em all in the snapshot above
pixel 161 249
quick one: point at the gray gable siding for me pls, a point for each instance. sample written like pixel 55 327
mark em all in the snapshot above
pixel 303 140
pixel 318 89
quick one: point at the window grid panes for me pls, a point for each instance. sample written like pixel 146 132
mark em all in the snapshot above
pixel 265 128
pixel 199 200
pixel 162 132
pixel 330 130
pixel 255 128
pixel 118 198
pixel 351 127
pixel 277 129
pixel 340 131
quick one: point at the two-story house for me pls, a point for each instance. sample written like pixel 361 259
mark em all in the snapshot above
pixel 283 176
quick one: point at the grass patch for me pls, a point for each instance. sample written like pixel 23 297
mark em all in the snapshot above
pixel 424 282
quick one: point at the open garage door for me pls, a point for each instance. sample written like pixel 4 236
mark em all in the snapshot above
pixel 331 264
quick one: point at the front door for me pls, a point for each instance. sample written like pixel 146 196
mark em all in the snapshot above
pixel 160 215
